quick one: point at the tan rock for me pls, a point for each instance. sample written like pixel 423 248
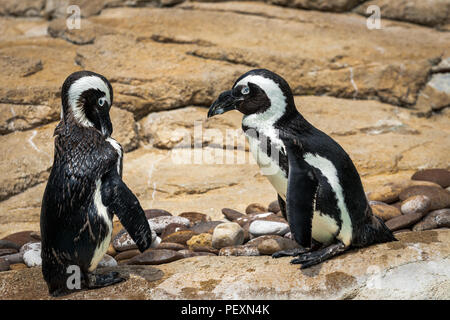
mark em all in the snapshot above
pixel 201 240
pixel 385 211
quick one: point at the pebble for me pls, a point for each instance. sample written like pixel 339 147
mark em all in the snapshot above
pixel 239 251
pixel 14 258
pixel 107 261
pixel 243 220
pixel 274 206
pixel 231 214
pixel 205 227
pixel 125 255
pixel 438 176
pixel 289 235
pixel 384 211
pixel 255 208
pixel 404 221
pixel 171 246
pixel 4 265
pixel 189 253
pixel 433 220
pixel 200 240
pixel 111 251
pixel 20 238
pixel 227 234
pixel 414 204
pixel 158 224
pixel 262 227
pixel 205 249
pixel 18 266
pixel 172 228
pixel 256 241
pixel 440 198
pixel 5 244
pixel 153 213
pixel 5 252
pixel 180 237
pixel 32 255
pixel 154 257
pixel 270 246
pixel 123 241
pixel 195 217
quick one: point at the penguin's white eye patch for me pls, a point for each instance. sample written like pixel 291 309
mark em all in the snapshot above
pixel 101 101
pixel 245 90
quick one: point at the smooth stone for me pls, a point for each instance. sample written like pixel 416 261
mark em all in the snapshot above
pixel 186 253
pixel 180 237
pixel 154 257
pixel 243 220
pixel 271 246
pixel 156 242
pixel 256 241
pixel 153 213
pixel 200 240
pixel 404 221
pixel 232 214
pixel 440 198
pixel 111 251
pixel 5 252
pixel 414 204
pixel 227 234
pixel 125 255
pixel 195 217
pixel 384 211
pixel 123 241
pixel 262 227
pixel 274 206
pixel 5 244
pixel 239 251
pixel 32 255
pixel 14 258
pixel 433 220
pixel 107 261
pixel 4 265
pixel 20 238
pixel 255 208
pixel 439 176
pixel 171 246
pixel 18 266
pixel 158 224
pixel 390 192
pixel 172 228
pixel 205 227
pixel 289 235
pixel 401 231
pixel 205 249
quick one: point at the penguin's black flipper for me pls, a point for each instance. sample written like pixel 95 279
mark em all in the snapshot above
pixel 122 202
pixel 302 186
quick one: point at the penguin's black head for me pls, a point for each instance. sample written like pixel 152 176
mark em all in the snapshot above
pixel 88 96
pixel 256 92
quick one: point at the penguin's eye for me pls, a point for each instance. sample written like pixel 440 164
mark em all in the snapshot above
pixel 245 90
pixel 101 101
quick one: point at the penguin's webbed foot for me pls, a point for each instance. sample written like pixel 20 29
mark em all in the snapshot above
pixel 309 259
pixel 103 280
pixel 290 252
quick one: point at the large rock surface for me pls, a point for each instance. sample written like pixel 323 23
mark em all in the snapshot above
pixel 416 267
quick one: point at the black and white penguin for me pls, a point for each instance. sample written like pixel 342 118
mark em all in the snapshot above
pixel 85 188
pixel 319 189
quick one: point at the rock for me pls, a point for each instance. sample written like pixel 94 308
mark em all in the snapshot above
pixel 5 244
pixel 255 208
pixel 433 220
pixel 242 221
pixel 274 206
pixel 180 237
pixel 205 249
pixel 439 197
pixel 261 227
pixel 153 257
pixel 195 217
pixel 389 192
pixel 172 228
pixel 107 261
pixel 205 227
pixel 435 96
pixel 384 211
pixel 20 238
pixel 153 213
pixel 32 255
pixel 239 251
pixel 404 221
pixel 289 235
pixel 26 8
pixel 431 13
pixel 111 251
pixel 201 240
pixel 158 224
pixel 414 204
pixel 124 242
pixel 186 253
pixel 256 241
pixel 271 246
pixel 334 6
pixel 13 258
pixel 17 266
pixel 402 230
pixel 227 234
pixel 439 176
pixel 4 252
pixel 126 255
pixel 4 265
pixel 231 214
pixel 171 246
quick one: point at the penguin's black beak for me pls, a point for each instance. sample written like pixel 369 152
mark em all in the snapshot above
pixel 225 102
pixel 105 122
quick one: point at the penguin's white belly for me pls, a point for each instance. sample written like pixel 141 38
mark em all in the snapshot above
pixel 102 213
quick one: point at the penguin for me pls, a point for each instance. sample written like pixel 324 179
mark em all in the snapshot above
pixel 319 189
pixel 85 189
